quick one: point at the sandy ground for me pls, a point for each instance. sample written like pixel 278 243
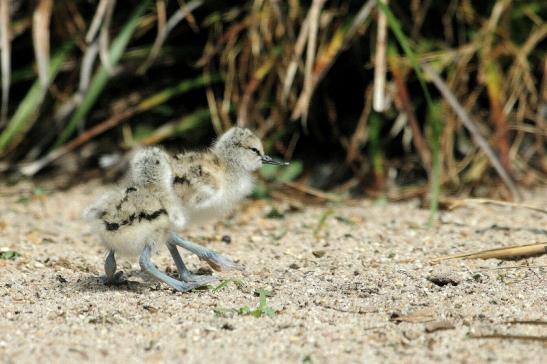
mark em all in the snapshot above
pixel 348 284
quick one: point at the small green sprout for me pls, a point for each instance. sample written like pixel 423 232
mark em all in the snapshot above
pixel 322 221
pixel 9 254
pixel 274 214
pixel 262 309
pixel 225 283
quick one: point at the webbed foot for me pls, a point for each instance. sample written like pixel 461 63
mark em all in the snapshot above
pixel 214 259
pixel 184 274
pixel 118 279
pixel 149 267
pixel 113 278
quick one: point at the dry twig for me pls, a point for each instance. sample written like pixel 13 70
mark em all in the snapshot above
pixel 501 253
pixel 5 60
pixel 40 38
pixel 471 126
pixel 379 103
pixel 466 201
pixel 163 31
pixel 511 337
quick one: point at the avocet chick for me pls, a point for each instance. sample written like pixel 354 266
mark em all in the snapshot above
pixel 137 219
pixel 211 183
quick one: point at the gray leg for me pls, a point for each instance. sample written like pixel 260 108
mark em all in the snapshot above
pixel 149 267
pixel 113 277
pixel 215 260
pixel 184 274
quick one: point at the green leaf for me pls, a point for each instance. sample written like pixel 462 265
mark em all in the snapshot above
pixel 9 255
pixel 261 191
pixel 269 171
pixel 322 220
pixel 290 172
pixel 256 313
pixel 376 145
pixel 268 311
pixel 28 110
pixel 262 308
pixel 282 174
pixel 225 283
pixel 262 292
pixel 274 214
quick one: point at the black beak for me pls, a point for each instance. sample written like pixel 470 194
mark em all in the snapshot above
pixel 266 159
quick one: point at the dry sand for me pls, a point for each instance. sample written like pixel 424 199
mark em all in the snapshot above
pixel 354 289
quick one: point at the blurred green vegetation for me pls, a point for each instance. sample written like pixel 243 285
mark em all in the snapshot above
pixel 394 99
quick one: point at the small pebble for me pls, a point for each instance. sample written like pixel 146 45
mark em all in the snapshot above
pixel 442 276
pixel 442 280
pixel 228 327
pixel 256 239
pixel 150 309
pixel 318 253
pixel 204 271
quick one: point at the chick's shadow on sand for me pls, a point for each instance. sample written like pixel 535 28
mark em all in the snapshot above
pixel 90 282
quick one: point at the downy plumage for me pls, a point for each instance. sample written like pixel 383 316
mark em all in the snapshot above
pixel 137 218
pixel 211 183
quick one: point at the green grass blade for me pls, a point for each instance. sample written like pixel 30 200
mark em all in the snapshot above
pixel 395 27
pixel 434 116
pixel 28 110
pixel 183 87
pixel 375 126
pixel 181 126
pixel 101 77
pixel 435 123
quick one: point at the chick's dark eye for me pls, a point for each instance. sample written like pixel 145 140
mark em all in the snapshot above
pixel 255 150
pixel 157 162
